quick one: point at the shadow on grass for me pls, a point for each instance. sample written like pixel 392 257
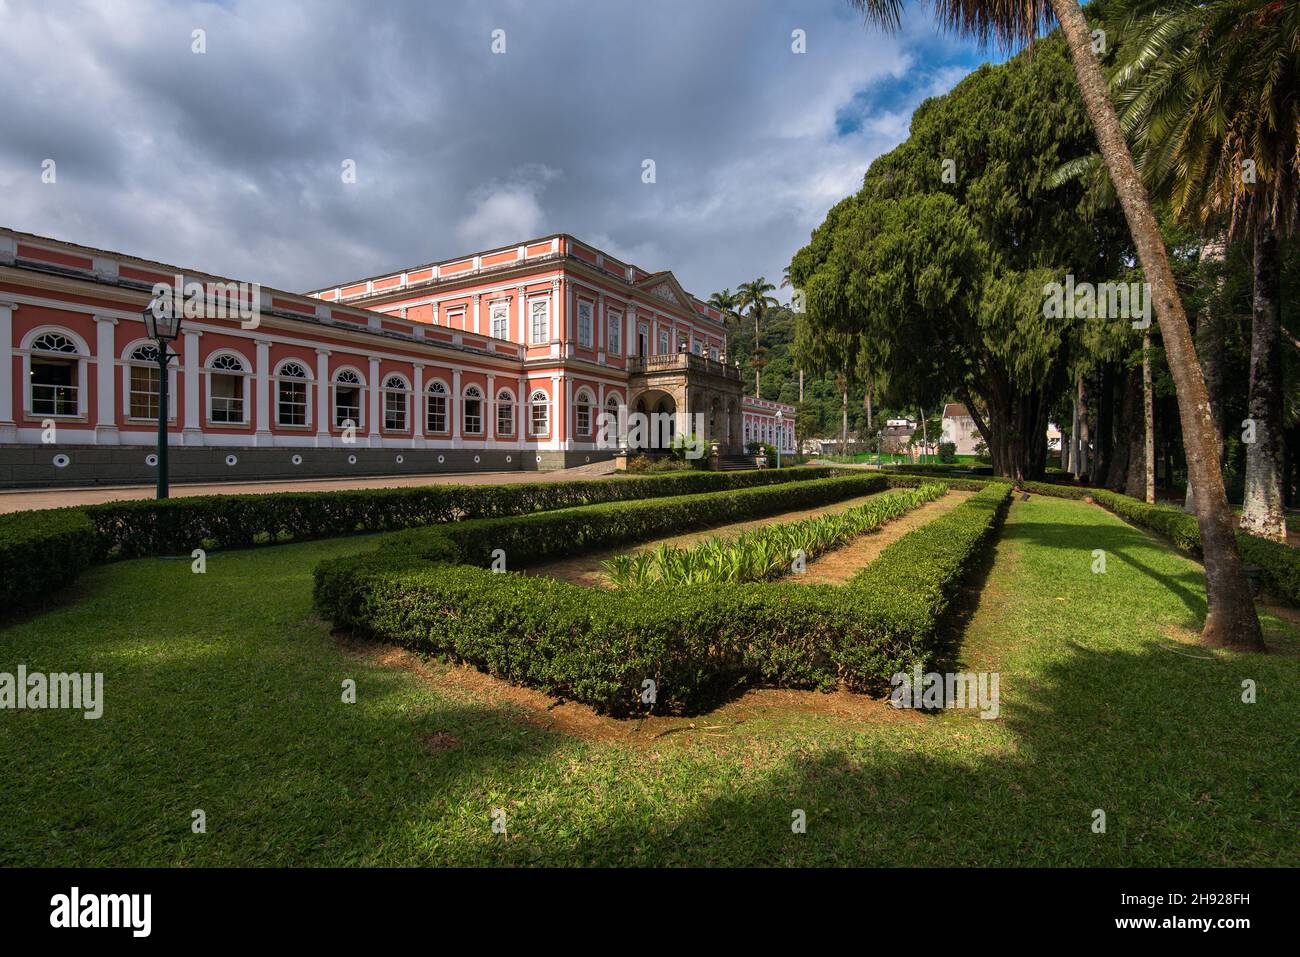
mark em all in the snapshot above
pixel 1186 773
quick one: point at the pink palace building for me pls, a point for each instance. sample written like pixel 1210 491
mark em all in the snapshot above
pixel 511 358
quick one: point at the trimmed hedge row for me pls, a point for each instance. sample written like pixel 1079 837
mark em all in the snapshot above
pixel 1280 562
pixel 40 552
pixel 147 527
pixel 600 646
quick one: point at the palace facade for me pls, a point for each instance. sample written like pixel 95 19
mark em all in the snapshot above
pixel 511 358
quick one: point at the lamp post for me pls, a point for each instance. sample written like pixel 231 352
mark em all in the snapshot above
pixel 162 323
pixel 780 417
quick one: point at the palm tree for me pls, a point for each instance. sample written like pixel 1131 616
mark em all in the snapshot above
pixel 1230 619
pixel 1207 93
pixel 754 297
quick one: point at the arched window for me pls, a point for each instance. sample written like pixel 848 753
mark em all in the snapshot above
pixel 612 420
pixel 539 413
pixel 505 413
pixel 395 391
pixel 226 379
pixel 436 418
pixel 291 394
pixel 142 382
pixel 582 412
pixel 347 399
pixel 55 374
pixel 472 411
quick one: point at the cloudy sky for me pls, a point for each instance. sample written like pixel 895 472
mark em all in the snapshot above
pixel 231 161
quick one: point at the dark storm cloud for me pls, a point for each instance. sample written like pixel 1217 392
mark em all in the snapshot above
pixel 230 161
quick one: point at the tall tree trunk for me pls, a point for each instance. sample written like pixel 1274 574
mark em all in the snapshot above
pixel 1130 467
pixel 1209 348
pixel 1230 619
pixel 1262 512
pixel 800 385
pixel 1148 423
pixel 1074 434
pixel 1105 439
pixel 758 394
pixel 844 419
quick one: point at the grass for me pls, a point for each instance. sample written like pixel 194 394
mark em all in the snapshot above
pixel 223 693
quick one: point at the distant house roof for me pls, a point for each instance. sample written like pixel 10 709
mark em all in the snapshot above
pixel 955 410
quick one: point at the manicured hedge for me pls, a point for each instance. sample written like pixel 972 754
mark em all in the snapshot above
pixel 176 526
pixel 599 646
pixel 40 552
pixel 1280 562
pixel 43 550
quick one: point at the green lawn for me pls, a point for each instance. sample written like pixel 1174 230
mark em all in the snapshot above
pixel 223 693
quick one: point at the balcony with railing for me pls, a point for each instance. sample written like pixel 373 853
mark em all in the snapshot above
pixel 681 362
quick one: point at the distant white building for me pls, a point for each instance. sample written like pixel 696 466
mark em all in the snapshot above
pixel 959 428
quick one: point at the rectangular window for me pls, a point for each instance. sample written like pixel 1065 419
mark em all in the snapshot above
pixel 227 399
pixel 505 417
pixel 501 320
pixel 54 387
pixel 436 421
pixel 473 415
pixel 292 404
pixel 663 342
pixel 584 420
pixel 614 335
pixel 584 324
pixel 713 353
pixel 347 405
pixel 143 399
pixel 540 315
pixel 394 411
pixel 541 417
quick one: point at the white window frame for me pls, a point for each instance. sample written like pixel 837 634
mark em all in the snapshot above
pixel 533 327
pixel 583 399
pixel 545 406
pixel 665 342
pixel 447 410
pixel 81 357
pixel 404 391
pixel 505 400
pixel 499 313
pixel 360 386
pixel 586 324
pixel 278 378
pixel 465 399
pixel 245 403
pixel 614 333
pixel 128 363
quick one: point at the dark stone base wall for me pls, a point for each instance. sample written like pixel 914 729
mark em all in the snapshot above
pixel 27 466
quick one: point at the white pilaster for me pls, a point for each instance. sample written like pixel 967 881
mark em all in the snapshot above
pixel 192 433
pixel 417 408
pixel 105 382
pixel 477 298
pixel 490 412
pixel 454 408
pixel 322 398
pixel 375 391
pixel 521 431
pixel 263 386
pixel 8 428
pixel 523 318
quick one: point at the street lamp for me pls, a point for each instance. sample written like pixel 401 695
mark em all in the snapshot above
pixel 779 419
pixel 162 323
